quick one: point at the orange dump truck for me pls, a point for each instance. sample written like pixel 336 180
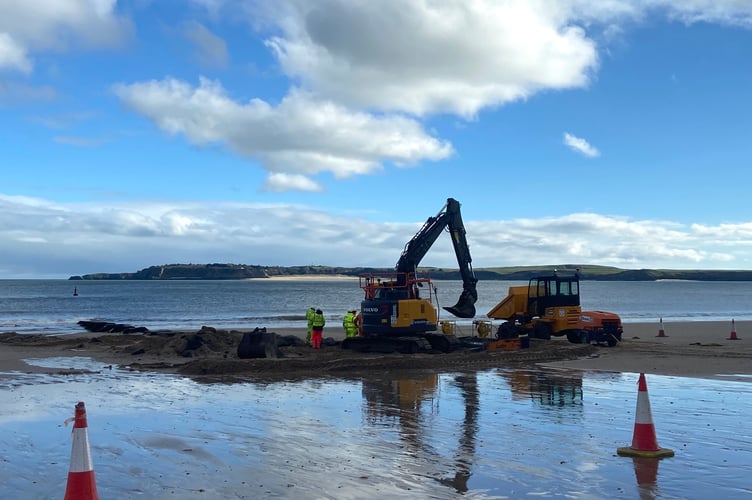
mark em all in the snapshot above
pixel 550 305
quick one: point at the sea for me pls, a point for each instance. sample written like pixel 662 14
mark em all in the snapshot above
pixel 56 306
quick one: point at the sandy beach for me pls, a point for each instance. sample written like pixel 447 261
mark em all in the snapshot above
pixel 689 349
pixel 335 424
pixel 311 277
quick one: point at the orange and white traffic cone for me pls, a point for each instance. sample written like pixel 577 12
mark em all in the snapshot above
pixel 733 332
pixel 661 331
pixel 644 441
pixel 81 483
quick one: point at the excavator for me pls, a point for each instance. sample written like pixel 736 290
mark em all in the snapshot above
pixel 397 311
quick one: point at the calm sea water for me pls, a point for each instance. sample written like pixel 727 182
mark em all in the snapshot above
pixel 49 306
pixel 494 434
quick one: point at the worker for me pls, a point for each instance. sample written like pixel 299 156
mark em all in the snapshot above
pixel 358 320
pixel 346 320
pixel 348 323
pixel 317 328
pixel 309 318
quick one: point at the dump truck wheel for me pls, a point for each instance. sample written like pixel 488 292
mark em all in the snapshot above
pixel 506 331
pixel 577 337
pixel 542 331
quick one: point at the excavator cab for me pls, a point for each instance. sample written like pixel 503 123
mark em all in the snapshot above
pixel 392 304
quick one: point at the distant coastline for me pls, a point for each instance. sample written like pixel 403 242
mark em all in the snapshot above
pixel 519 273
pixel 311 277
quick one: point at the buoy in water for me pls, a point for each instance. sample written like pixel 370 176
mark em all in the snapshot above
pixel 75 291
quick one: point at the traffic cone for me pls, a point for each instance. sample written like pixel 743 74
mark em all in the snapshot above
pixel 661 331
pixel 81 483
pixel 644 441
pixel 733 332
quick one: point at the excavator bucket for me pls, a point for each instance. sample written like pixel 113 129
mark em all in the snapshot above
pixel 465 306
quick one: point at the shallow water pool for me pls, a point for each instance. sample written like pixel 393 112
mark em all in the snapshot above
pixel 489 434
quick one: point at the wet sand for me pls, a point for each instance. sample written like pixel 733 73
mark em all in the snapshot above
pixel 690 349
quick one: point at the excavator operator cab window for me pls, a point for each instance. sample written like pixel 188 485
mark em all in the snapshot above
pixel 390 293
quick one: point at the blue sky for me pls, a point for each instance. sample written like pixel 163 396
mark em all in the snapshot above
pixel 296 132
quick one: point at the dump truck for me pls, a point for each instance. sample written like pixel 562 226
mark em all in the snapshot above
pixel 550 306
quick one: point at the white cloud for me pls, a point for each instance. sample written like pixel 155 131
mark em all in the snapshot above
pixel 300 137
pixel 279 182
pixel 430 57
pixel 580 145
pixel 363 73
pixel 39 237
pixel 727 12
pixel 13 55
pixel 455 56
pixel 44 25
pixel 210 50
pixel 730 12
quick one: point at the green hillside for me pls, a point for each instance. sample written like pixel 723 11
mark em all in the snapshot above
pixel 243 271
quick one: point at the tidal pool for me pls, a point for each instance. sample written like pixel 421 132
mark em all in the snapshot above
pixel 487 434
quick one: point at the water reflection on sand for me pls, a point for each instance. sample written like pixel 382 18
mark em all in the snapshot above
pixel 489 434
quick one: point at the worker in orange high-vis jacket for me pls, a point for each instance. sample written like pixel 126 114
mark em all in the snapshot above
pixel 317 332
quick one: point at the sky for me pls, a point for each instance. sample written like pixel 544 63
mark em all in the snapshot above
pixel 326 132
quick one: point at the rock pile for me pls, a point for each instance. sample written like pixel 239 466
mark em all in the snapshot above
pixel 107 327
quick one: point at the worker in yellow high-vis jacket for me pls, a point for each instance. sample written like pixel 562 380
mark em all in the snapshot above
pixel 348 323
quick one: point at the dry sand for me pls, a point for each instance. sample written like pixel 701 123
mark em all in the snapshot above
pixel 691 349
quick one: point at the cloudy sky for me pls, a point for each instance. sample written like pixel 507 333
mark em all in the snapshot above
pixel 325 132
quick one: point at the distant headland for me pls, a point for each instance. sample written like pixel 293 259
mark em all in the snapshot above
pixel 243 271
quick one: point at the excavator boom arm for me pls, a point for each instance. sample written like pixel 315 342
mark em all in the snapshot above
pixel 451 218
